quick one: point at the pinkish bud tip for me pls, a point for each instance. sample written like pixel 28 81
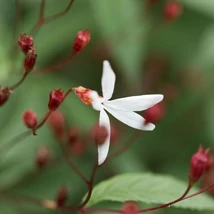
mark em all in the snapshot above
pixel 43 156
pixel 82 39
pixel 172 10
pixel 30 59
pixel 30 119
pixel 4 95
pixel 56 98
pixel 130 207
pixel 155 113
pixel 199 163
pixel 25 42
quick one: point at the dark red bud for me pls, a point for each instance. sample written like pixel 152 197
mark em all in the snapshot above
pixel 100 134
pixel 73 135
pixel 57 123
pixel 78 148
pixel 56 98
pixel 25 42
pixel 199 163
pixel 172 10
pixel 4 95
pixel 43 156
pixel 30 119
pixel 82 39
pixel 62 196
pixel 155 113
pixel 130 207
pixel 30 59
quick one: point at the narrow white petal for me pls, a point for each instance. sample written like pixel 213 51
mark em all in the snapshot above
pixel 108 80
pixel 135 103
pixel 104 148
pixel 96 101
pixel 131 119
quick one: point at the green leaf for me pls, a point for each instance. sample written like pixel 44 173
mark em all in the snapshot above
pixel 148 188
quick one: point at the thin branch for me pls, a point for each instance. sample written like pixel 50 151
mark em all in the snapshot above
pixel 51 18
pixel 42 20
pixel 57 66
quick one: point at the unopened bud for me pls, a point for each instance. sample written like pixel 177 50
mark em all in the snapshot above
pixel 30 119
pixel 56 98
pixel 130 207
pixel 57 123
pixel 198 165
pixel 43 157
pixel 154 114
pixel 62 196
pixel 4 95
pixel 82 39
pixel 25 42
pixel 30 59
pixel 172 10
pixel 100 134
pixel 73 135
pixel 78 147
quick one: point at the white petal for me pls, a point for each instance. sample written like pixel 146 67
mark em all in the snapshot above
pixel 131 119
pixel 135 103
pixel 104 148
pixel 96 101
pixel 108 80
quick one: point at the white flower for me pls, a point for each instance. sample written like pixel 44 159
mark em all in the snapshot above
pixel 122 109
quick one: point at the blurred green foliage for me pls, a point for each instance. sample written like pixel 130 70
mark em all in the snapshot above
pixel 148 55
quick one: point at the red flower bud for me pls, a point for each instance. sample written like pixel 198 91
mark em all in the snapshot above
pixel 56 98
pixel 73 135
pixel 172 10
pixel 30 119
pixel 30 59
pixel 130 207
pixel 82 39
pixel 154 114
pixel 199 163
pixel 57 123
pixel 4 95
pixel 62 196
pixel 78 148
pixel 43 156
pixel 100 134
pixel 25 42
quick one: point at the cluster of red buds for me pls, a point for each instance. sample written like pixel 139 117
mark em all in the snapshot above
pixel 26 43
pixel 201 161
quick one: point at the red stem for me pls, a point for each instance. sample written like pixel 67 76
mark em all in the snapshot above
pixel 170 203
pixel 16 85
pixel 71 164
pixel 42 20
pixel 57 66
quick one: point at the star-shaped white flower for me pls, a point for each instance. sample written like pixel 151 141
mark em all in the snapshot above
pixel 122 109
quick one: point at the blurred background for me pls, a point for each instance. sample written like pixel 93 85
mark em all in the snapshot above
pixel 152 49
